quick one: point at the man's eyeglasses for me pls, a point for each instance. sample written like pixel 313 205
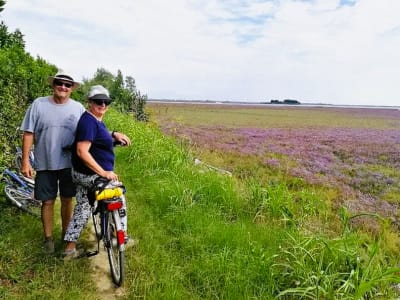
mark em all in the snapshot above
pixel 102 101
pixel 62 83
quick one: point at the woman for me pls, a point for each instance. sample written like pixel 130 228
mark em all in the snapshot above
pixel 92 157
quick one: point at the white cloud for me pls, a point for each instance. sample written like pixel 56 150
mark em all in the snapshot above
pixel 315 51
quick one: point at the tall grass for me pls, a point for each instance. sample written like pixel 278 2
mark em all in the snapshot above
pixel 203 235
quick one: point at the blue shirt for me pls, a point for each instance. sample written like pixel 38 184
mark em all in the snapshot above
pixel 92 130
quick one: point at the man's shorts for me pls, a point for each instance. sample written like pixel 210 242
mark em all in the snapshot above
pixel 49 182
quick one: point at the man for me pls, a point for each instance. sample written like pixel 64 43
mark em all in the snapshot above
pixel 49 125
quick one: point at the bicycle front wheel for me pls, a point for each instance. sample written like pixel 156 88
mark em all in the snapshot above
pixel 115 250
pixel 23 200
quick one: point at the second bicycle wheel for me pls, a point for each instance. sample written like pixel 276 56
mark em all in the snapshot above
pixel 96 223
pixel 23 200
pixel 116 255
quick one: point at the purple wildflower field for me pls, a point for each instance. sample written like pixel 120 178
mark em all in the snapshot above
pixel 362 163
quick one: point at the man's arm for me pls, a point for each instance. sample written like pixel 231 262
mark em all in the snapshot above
pixel 27 142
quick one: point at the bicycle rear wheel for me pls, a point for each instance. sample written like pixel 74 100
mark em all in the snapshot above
pixel 23 200
pixel 115 250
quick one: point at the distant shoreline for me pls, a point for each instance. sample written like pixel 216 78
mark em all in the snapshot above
pixel 269 104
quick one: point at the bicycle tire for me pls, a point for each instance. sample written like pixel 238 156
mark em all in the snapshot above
pixel 18 158
pixel 18 162
pixel 116 255
pixel 23 200
pixel 96 224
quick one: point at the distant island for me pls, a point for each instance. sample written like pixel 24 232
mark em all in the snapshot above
pixel 273 101
pixel 286 101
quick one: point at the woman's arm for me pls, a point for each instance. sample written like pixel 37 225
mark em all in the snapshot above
pixel 82 149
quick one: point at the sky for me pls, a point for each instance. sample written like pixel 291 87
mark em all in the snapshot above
pixel 314 51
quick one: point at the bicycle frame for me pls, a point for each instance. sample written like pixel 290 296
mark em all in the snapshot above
pixel 22 181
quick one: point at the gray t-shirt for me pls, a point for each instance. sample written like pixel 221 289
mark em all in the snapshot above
pixel 54 127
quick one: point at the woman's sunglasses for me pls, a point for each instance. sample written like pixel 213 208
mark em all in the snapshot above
pixel 62 83
pixel 101 101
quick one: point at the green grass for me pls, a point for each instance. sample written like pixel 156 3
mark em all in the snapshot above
pixel 203 235
pixel 26 273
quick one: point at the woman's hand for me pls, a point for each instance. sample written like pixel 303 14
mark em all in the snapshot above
pixel 121 138
pixel 110 175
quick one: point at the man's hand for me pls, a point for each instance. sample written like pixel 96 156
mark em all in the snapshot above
pixel 26 169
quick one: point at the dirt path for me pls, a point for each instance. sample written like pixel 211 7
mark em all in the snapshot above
pixel 101 273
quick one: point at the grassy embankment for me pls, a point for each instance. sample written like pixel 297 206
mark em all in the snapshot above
pixel 202 235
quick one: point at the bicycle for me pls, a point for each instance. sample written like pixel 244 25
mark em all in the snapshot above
pixel 108 204
pixel 18 158
pixel 19 190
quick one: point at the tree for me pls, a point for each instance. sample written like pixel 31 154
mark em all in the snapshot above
pixel 138 101
pixel 2 3
pixel 139 104
pixel 121 96
pixel 7 40
pixel 103 77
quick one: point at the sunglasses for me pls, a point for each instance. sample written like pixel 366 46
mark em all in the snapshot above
pixel 101 101
pixel 62 83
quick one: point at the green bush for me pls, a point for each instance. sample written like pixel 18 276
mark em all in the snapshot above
pixel 22 79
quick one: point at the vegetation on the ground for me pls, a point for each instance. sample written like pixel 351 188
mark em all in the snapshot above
pixel 354 152
pixel 199 234
pixel 203 235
